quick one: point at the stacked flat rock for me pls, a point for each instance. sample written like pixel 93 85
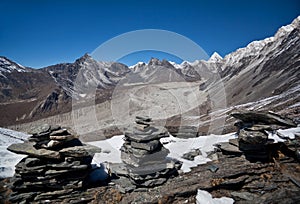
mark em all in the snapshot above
pixel 186 132
pixel 145 161
pixel 55 168
pixel 252 132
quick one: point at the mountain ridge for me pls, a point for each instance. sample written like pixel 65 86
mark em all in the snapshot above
pixel 270 66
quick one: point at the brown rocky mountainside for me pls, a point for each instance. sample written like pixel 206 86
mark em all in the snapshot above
pixel 265 73
pixel 26 93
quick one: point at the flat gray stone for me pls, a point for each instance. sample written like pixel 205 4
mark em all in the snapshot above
pixel 52 194
pixel 142 127
pixel 185 135
pixel 135 152
pixel 21 197
pixel 77 151
pixel 150 170
pixel 39 138
pixel 60 132
pixel 31 162
pixel 154 182
pixel 63 137
pixel 234 142
pixel 27 148
pixel 227 148
pixel 192 154
pixel 258 127
pixel 62 171
pixel 54 128
pixel 253 137
pixel 148 159
pixel 80 151
pixel 143 118
pixel 149 146
pixel 142 122
pixel 119 169
pixel 145 136
pixel 64 165
pixel 40 129
pixel 244 195
pixel 124 185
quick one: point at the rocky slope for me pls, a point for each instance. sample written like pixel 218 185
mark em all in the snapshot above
pixel 30 94
pixel 263 68
pixel 23 90
pixel 262 76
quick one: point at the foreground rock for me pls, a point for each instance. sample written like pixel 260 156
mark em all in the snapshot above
pixel 56 168
pixel 228 175
pixel 253 130
pixel 250 169
pixel 145 162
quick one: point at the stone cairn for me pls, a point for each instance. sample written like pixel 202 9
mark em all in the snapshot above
pixel 253 130
pixel 145 161
pixel 55 169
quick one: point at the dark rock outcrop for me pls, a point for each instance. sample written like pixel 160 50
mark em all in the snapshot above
pixel 253 133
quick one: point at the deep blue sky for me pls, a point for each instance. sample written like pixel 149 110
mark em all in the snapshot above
pixel 38 33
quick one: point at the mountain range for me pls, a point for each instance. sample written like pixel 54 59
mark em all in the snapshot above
pixel 265 72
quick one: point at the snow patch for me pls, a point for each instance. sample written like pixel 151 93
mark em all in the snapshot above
pixel 8 160
pixel 110 150
pixel 178 147
pixel 204 197
pixel 174 64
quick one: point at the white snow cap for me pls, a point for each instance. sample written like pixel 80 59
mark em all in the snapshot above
pixel 8 66
pixel 215 57
pixel 137 65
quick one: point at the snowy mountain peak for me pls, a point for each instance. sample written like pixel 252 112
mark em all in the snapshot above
pixel 253 49
pixel 8 66
pixel 85 58
pixel 288 28
pixel 154 61
pixel 139 64
pixel 215 57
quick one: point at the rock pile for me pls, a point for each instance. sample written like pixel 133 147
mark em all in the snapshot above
pixel 145 161
pixel 56 167
pixel 252 132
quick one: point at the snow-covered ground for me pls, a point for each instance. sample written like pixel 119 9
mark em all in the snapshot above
pixel 110 152
pixel 111 148
pixel 8 160
pixel 177 146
